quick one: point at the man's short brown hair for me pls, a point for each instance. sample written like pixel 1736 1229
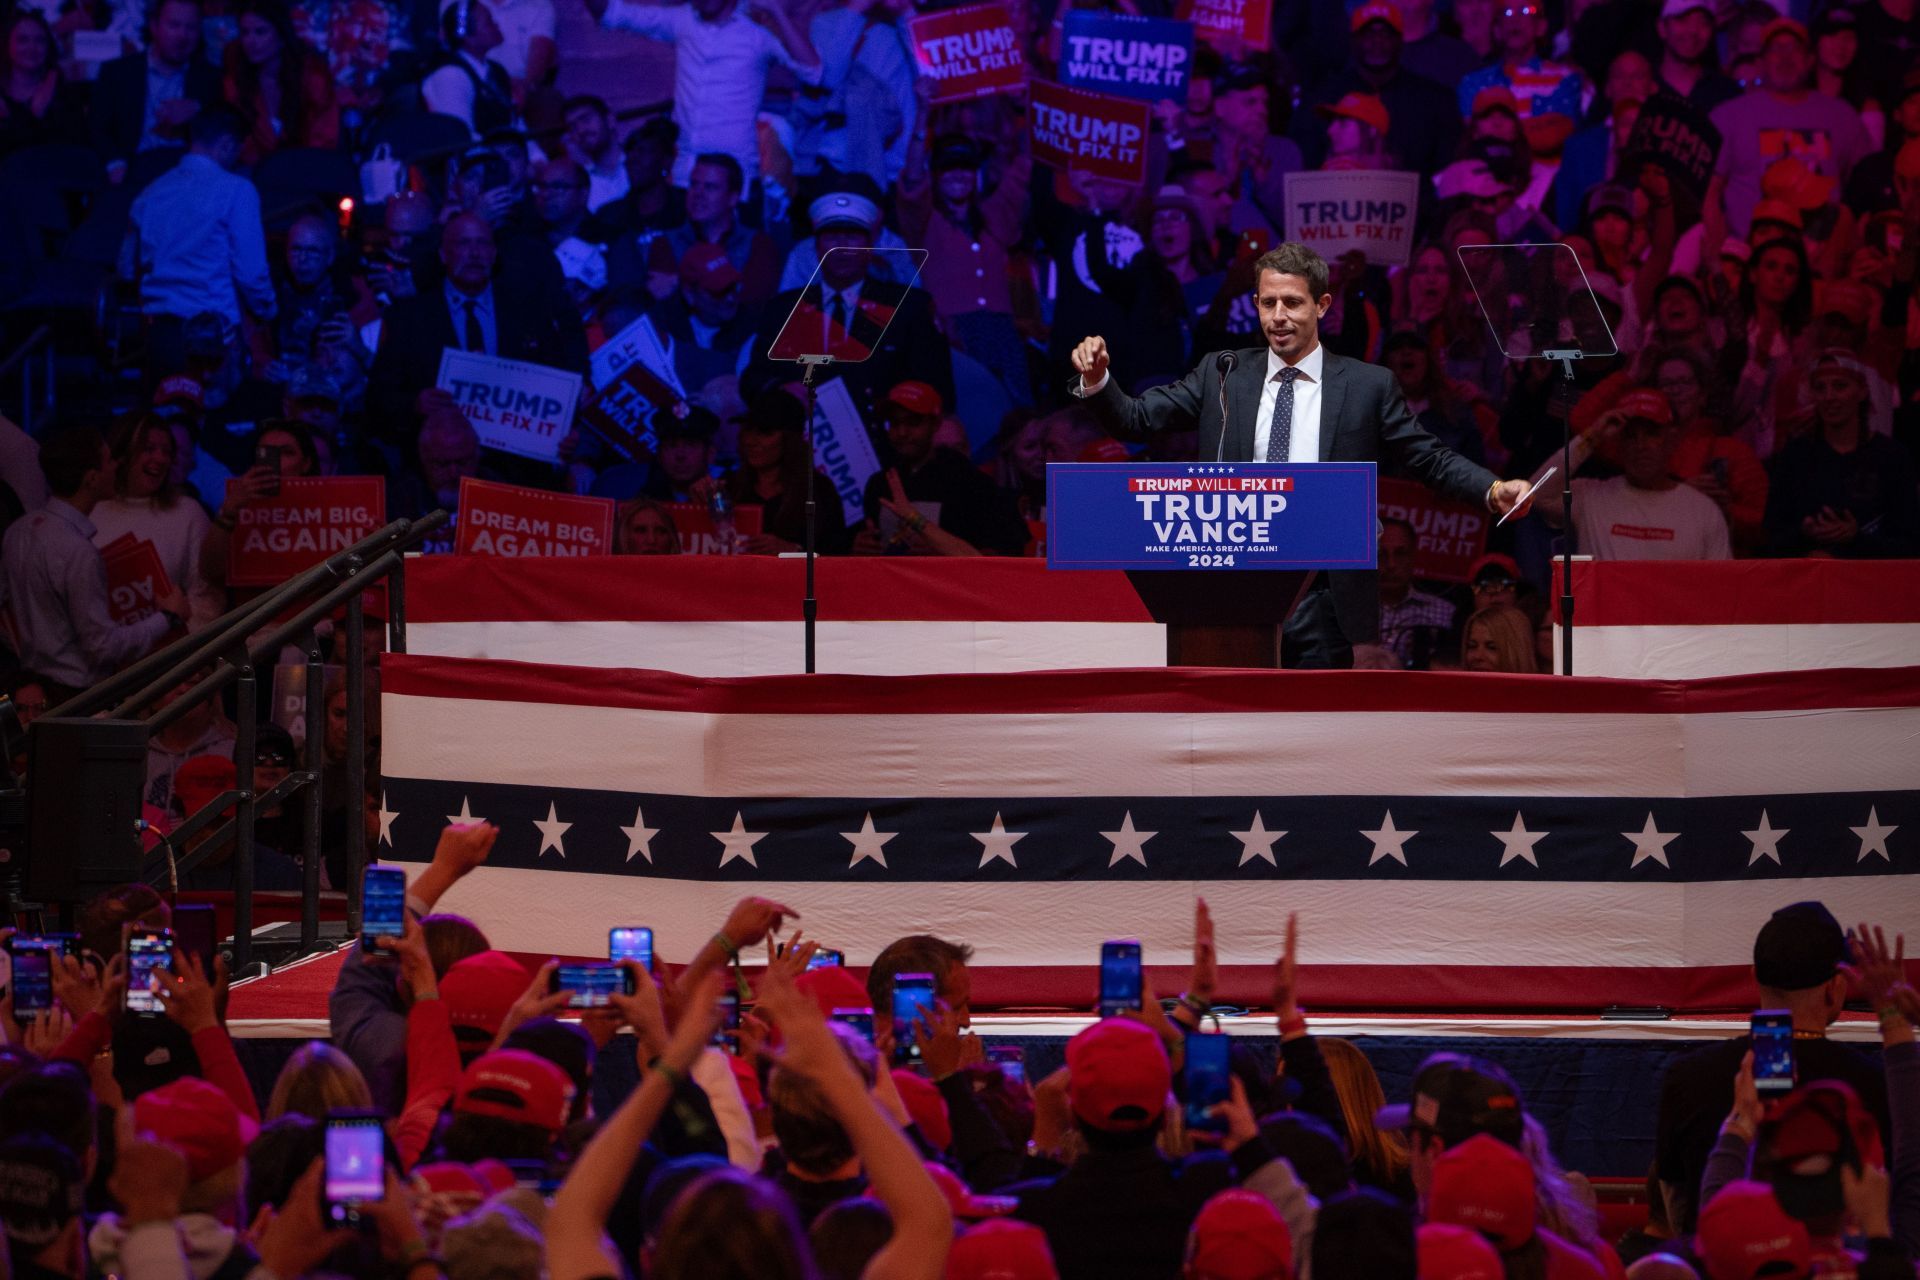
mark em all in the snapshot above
pixel 1292 258
pixel 915 953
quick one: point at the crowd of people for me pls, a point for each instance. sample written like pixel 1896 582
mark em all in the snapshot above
pixel 1762 402
pixel 513 1134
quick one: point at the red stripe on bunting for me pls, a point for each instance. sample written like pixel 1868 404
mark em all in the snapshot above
pixel 1156 689
pixel 759 589
pixel 1743 592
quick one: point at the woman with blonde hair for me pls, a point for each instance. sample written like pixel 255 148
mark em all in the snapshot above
pixel 1498 638
pixel 1379 1157
pixel 317 1079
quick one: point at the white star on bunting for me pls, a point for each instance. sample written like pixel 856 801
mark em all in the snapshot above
pixel 386 820
pixel 552 832
pixel 465 815
pixel 1650 844
pixel 1389 843
pixel 998 842
pixel 1873 836
pixel 738 842
pixel 1766 841
pixel 868 843
pixel 1128 843
pixel 1519 842
pixel 1256 841
pixel 640 836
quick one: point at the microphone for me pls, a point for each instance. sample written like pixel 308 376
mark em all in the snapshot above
pixel 1225 363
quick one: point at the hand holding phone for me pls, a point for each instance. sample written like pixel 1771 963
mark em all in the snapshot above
pixel 592 985
pixel 1207 1080
pixel 356 1166
pixel 1773 1062
pixel 913 1000
pixel 149 952
pixel 383 906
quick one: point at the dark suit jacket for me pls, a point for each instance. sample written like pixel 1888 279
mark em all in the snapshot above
pixel 911 348
pixel 534 325
pixel 1363 418
pixel 120 102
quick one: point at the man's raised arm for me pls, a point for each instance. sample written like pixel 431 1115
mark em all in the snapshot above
pixel 1174 407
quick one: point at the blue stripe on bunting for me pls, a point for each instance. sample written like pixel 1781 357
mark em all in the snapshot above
pixel 1572 839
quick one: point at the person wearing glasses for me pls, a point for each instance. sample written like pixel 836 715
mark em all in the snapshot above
pixel 1547 94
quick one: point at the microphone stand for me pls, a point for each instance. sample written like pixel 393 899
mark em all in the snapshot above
pixel 1565 359
pixel 1225 362
pixel 809 605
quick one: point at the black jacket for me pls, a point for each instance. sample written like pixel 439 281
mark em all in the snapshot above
pixel 1363 418
pixel 895 325
pixel 119 111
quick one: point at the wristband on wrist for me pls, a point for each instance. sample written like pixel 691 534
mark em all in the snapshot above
pixel 1195 1005
pixel 675 1076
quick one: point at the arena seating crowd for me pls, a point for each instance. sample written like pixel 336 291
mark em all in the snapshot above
pixel 796 1144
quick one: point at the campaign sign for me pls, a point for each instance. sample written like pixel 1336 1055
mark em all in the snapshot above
pixel 311 518
pixel 1452 534
pixel 1089 133
pixel 632 380
pixel 1338 210
pixel 842 449
pixel 1230 22
pixel 1674 134
pixel 694 523
pixel 515 407
pixel 1210 515
pixel 136 578
pixel 968 52
pixel 1131 57
pixel 509 520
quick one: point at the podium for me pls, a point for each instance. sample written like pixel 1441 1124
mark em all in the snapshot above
pixel 1221 553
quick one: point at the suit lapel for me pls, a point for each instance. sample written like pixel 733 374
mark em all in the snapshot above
pixel 1243 396
pixel 1333 372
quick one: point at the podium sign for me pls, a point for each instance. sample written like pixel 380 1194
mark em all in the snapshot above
pixel 1205 515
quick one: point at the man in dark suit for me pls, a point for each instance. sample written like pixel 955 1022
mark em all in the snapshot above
pixel 472 308
pixel 144 100
pixel 879 333
pixel 1295 401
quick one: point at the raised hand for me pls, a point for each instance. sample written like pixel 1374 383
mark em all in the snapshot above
pixel 1875 971
pixel 1285 989
pixel 1205 979
pixel 1090 361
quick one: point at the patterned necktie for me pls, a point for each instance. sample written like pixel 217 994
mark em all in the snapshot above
pixel 476 337
pixel 1280 434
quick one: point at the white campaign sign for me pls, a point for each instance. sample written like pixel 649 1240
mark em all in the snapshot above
pixel 1335 211
pixel 514 406
pixel 842 449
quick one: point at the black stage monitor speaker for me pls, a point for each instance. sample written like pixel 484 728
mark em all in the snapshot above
pixel 84 785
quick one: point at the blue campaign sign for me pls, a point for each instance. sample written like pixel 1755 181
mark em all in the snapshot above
pixel 1129 57
pixel 1208 515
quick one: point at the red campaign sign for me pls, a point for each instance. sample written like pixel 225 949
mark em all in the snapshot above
pixel 508 520
pixel 1089 133
pixel 1225 22
pixel 136 578
pixel 1452 534
pixel 311 518
pixel 968 53
pixel 698 537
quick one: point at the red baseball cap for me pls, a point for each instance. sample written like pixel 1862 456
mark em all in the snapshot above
pixel 1448 1252
pixel 1239 1236
pixel 1379 11
pixel 197 1120
pixel 480 989
pixel 200 779
pixel 1002 1250
pixel 1744 1231
pixel 512 1084
pixel 832 988
pixel 706 266
pixel 961 1199
pixel 1118 1076
pixel 927 1107
pixel 916 397
pixel 1646 402
pixel 1785 27
pixel 1495 98
pixel 449 1178
pixel 180 389
pixel 1487 1186
pixel 1790 181
pixel 1367 108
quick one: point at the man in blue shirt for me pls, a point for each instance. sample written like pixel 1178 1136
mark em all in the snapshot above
pixel 195 243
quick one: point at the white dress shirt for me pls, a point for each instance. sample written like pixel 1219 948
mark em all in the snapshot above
pixel 1304 444
pixel 719 76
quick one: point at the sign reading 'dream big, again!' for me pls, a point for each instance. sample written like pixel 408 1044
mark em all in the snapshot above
pixel 510 520
pixel 1335 211
pixel 968 52
pixel 515 407
pixel 1133 57
pixel 1204 515
pixel 311 518
pixel 1089 133
pixel 1227 22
